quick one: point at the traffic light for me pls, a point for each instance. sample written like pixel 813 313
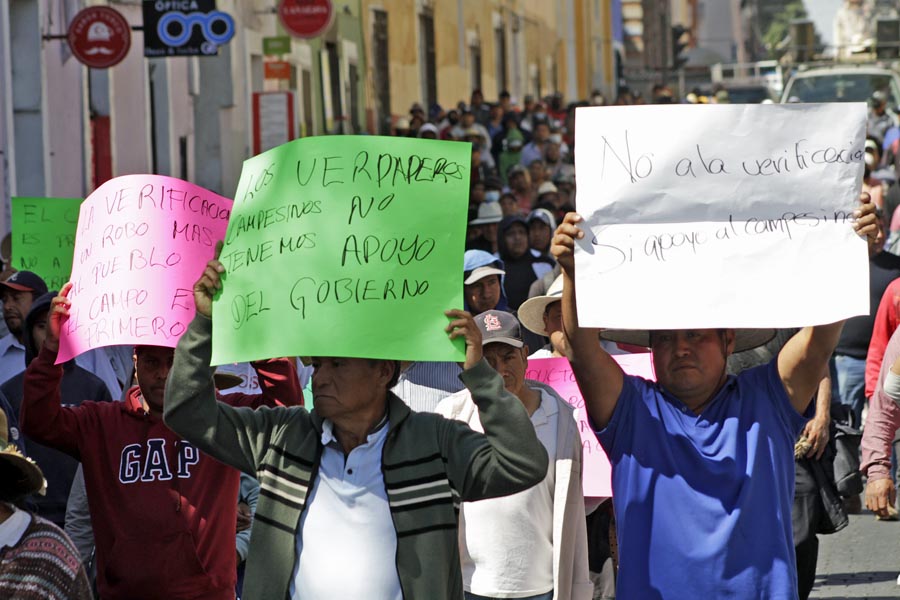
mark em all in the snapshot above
pixel 678 46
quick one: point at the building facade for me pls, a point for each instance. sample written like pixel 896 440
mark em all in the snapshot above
pixel 65 128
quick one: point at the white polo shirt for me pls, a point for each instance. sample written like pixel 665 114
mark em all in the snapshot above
pixel 506 544
pixel 347 545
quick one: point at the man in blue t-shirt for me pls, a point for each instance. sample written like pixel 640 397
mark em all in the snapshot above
pixel 703 468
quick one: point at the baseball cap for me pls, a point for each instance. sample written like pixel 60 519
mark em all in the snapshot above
pixel 25 281
pixel 481 273
pixel 499 326
pixel 543 215
pixel 428 127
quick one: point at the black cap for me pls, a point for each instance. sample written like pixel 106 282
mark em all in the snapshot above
pixel 25 281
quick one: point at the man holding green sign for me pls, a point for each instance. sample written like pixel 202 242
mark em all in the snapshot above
pixel 361 477
pixel 348 249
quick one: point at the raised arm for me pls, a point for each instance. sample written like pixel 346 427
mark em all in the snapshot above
pixel 599 376
pixel 42 416
pixel 235 436
pixel 508 457
pixel 803 358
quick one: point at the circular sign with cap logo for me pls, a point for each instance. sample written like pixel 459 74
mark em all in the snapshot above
pixel 99 37
pixel 305 18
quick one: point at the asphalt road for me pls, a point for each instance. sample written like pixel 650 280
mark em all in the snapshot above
pixel 861 561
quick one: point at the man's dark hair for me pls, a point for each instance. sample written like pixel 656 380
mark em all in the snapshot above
pixel 395 377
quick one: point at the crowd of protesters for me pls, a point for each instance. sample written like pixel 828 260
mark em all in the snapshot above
pixel 438 480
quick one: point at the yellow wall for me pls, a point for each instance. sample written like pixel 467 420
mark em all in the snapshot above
pixel 542 41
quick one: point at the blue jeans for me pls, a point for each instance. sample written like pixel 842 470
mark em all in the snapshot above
pixel 547 596
pixel 851 383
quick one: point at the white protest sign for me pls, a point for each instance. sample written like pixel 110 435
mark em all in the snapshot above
pixel 720 215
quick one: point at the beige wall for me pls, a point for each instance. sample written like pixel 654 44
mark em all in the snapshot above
pixel 536 44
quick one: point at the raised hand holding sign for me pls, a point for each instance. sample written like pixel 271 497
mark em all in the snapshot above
pixel 141 241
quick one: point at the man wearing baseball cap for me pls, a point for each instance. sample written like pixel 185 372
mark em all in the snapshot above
pixel 17 292
pixel 532 544
pixel 483 282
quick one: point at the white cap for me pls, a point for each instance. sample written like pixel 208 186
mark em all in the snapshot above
pixel 482 272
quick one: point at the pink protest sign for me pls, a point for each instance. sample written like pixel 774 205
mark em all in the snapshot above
pixel 556 372
pixel 142 242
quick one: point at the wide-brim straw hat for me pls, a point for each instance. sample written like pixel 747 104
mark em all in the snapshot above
pixel 744 339
pixel 18 474
pixel 531 312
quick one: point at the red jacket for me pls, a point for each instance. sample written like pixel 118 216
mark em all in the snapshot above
pixel 163 513
pixel 887 319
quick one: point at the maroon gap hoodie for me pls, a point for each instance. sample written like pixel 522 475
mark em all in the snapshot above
pixel 163 513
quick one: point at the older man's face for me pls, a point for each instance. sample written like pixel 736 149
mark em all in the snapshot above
pixel 510 362
pixel 343 387
pixel 690 363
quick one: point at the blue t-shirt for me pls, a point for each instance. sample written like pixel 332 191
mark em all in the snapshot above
pixel 703 502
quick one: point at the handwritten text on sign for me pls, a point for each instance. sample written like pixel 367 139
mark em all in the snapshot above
pixel 142 242
pixel 345 246
pixel 744 210
pixel 556 372
pixel 43 237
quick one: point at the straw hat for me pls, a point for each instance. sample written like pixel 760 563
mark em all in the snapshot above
pixel 744 339
pixel 19 475
pixel 531 313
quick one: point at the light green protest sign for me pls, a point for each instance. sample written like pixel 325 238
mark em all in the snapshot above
pixel 345 246
pixel 43 237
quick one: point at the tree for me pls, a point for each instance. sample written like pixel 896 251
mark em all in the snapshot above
pixel 775 22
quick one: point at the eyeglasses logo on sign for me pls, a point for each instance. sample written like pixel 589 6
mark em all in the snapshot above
pixel 185 28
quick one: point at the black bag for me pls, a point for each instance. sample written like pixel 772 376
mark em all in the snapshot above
pixel 847 438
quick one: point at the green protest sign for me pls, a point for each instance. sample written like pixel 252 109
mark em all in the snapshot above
pixel 43 237
pixel 345 246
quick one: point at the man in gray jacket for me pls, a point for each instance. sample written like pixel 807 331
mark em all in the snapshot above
pixel 361 477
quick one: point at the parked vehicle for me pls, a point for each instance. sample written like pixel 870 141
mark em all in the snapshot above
pixel 842 83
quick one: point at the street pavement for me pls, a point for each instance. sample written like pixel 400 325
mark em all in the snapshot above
pixel 860 561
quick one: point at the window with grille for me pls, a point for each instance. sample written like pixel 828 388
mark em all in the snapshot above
pixel 475 66
pixel 500 43
pixel 382 74
pixel 428 60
